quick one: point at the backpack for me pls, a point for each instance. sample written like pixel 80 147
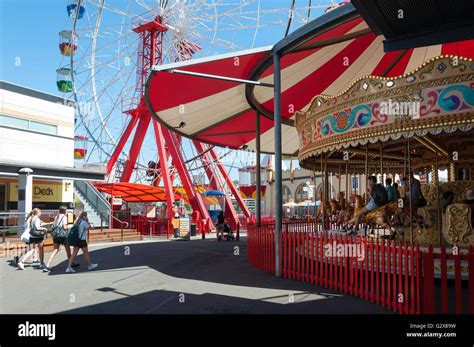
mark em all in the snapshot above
pixel 58 230
pixel 25 235
pixel 380 195
pixel 72 237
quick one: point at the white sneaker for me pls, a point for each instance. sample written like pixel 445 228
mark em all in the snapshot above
pixel 70 270
pixel 92 267
pixel 21 266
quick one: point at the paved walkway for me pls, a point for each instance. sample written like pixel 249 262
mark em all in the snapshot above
pixel 155 277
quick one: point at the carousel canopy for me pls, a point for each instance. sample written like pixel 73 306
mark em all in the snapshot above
pixel 323 57
pixel 134 192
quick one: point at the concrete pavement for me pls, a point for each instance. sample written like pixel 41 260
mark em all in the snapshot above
pixel 160 277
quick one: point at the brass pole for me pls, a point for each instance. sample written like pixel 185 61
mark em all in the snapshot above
pixel 366 172
pixel 410 189
pixel 438 212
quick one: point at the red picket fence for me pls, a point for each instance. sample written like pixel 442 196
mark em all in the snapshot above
pixel 397 276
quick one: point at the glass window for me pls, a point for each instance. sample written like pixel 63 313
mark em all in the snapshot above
pixel 286 194
pixel 301 193
pixel 44 128
pixel 355 182
pixel 13 122
pixel 21 123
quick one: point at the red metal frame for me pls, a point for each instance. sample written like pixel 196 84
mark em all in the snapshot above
pixel 168 183
pixel 212 175
pixel 230 184
pixel 195 198
pixel 150 53
pixel 136 146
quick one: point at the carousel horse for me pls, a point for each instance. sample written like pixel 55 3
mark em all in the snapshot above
pixel 379 216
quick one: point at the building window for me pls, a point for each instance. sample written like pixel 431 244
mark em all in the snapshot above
pixel 355 183
pixel 464 173
pixel 14 122
pixel 26 124
pixel 301 193
pixel 286 194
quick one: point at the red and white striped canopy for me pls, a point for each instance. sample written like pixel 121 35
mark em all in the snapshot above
pixel 218 112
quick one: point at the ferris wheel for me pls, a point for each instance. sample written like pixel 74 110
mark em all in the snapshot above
pixel 104 65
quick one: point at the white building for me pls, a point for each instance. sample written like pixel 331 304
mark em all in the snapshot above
pixel 37 133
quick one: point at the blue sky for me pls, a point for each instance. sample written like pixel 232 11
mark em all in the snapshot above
pixel 29 42
pixel 29 53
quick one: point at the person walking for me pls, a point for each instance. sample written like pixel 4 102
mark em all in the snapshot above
pixel 37 234
pixel 83 226
pixel 59 233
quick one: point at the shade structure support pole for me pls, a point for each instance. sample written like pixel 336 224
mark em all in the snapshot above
pixel 163 158
pixel 229 183
pixel 137 143
pixel 212 176
pixel 195 199
pixel 278 176
pixel 123 140
pixel 258 203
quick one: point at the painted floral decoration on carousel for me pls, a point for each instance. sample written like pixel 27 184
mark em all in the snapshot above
pixel 436 89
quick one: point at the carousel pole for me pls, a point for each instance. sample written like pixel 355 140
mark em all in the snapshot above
pixel 339 180
pixel 278 177
pixel 366 198
pixel 438 210
pixel 347 184
pixel 323 204
pixel 409 188
pixel 381 163
pixel 258 204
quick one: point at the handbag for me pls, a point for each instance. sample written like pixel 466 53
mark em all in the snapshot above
pixel 58 230
pixel 25 235
pixel 34 233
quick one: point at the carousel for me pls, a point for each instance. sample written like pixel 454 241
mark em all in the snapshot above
pixel 418 125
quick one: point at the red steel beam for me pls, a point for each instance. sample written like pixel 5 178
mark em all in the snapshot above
pixel 123 140
pixel 195 199
pixel 212 175
pixel 137 142
pixel 165 174
pixel 230 184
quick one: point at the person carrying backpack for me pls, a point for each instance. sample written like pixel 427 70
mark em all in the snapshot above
pixel 59 233
pixel 77 237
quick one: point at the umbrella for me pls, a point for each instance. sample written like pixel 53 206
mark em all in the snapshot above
pixel 213 193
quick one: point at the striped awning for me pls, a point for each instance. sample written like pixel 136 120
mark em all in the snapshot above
pixel 223 113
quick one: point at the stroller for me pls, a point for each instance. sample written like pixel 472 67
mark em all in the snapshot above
pixel 224 232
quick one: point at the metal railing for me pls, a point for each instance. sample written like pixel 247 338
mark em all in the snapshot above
pixel 94 198
pixel 11 221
